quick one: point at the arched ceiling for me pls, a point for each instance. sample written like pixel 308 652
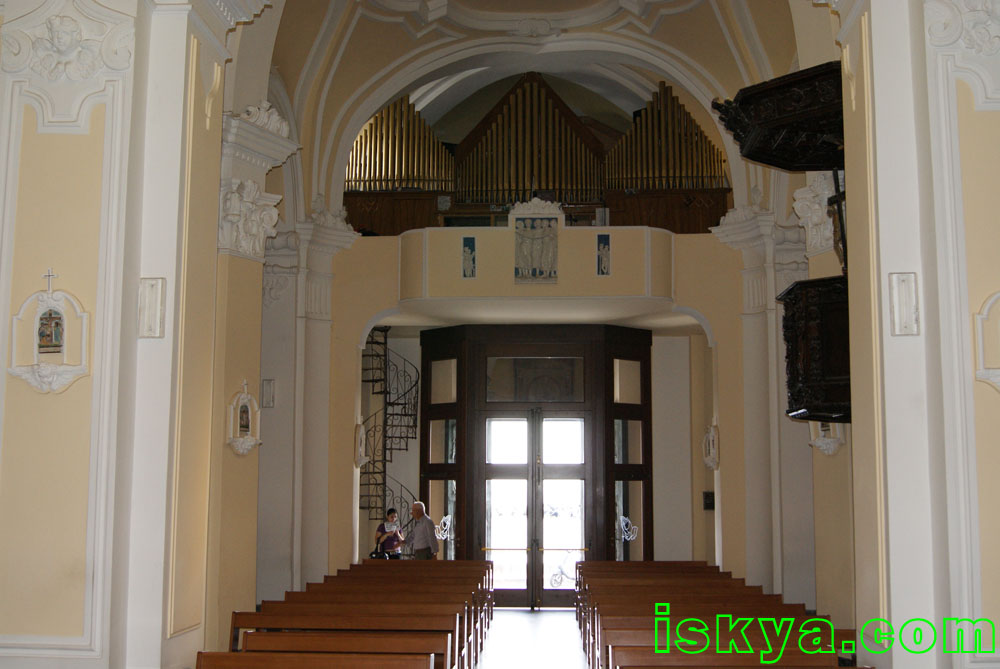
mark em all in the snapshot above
pixel 341 60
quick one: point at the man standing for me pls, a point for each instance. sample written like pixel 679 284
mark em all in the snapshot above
pixel 422 537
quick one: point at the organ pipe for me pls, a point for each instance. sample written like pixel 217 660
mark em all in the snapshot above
pixel 397 150
pixel 664 149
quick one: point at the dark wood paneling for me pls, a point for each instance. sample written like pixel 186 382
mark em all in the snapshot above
pixel 680 211
pixel 391 213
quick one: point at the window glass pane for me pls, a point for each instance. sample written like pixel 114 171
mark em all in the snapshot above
pixel 628 442
pixel 562 531
pixel 507 441
pixel 443 441
pixel 444 381
pixel 507 532
pixel 628 520
pixel 628 383
pixel 534 379
pixel 441 505
pixel 562 441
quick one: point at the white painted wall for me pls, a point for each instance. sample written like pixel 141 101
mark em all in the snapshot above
pixel 671 381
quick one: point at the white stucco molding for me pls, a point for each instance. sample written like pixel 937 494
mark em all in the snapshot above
pixel 227 13
pixel 988 343
pixel 813 212
pixel 539 23
pixel 63 54
pixel 247 217
pixel 253 143
pixel 267 117
pixel 969 31
pixel 281 265
pixel 773 255
pixel 326 233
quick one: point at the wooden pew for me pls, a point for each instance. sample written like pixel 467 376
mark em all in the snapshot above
pixel 438 643
pixel 314 661
pixel 252 620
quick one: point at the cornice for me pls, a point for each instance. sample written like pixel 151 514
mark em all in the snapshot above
pixel 248 142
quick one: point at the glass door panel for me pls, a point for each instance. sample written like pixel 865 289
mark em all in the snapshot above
pixel 506 441
pixel 507 532
pixel 562 441
pixel 563 532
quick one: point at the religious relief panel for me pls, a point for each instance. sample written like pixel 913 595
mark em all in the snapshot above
pixel 603 255
pixel 536 240
pixel 536 250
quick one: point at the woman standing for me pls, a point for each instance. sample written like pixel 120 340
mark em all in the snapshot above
pixel 388 538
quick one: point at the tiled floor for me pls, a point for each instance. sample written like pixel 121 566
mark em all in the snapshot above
pixel 523 639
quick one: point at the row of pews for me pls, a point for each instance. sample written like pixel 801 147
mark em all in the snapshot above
pixel 390 614
pixel 616 606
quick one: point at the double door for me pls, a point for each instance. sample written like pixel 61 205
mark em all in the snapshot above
pixel 537 493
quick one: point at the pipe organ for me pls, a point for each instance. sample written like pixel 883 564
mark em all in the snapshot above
pixel 397 150
pixel 531 141
pixel 665 149
pixel 663 172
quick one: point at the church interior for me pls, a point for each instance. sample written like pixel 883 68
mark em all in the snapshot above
pixel 572 273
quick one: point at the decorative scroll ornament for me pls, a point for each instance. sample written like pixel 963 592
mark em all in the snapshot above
pixel 629 531
pixel 710 448
pixel 813 212
pixel 974 23
pixel 248 216
pixel 324 218
pixel 443 530
pixel 65 51
pixel 51 333
pixel 267 117
pixel 244 421
pixel 988 342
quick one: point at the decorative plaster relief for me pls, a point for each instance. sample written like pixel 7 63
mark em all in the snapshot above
pixel 988 342
pixel 254 144
pixel 65 52
pixel 814 213
pixel 277 279
pixel 244 421
pixel 324 218
pixel 827 438
pixel 267 117
pixel 248 216
pixel 969 29
pixel 52 333
pixel 237 11
pixel 710 448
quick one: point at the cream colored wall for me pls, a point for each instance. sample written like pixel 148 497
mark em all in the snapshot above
pixel 190 476
pixel 358 295
pixel 232 565
pixel 709 279
pixel 495 263
pixel 46 448
pixel 979 139
pixel 866 385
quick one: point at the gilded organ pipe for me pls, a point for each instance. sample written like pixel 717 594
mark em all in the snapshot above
pixel 397 150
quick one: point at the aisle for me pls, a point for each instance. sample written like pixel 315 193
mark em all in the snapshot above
pixel 522 639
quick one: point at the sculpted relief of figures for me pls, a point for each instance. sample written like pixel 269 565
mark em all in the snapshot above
pixel 536 250
pixel 247 218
